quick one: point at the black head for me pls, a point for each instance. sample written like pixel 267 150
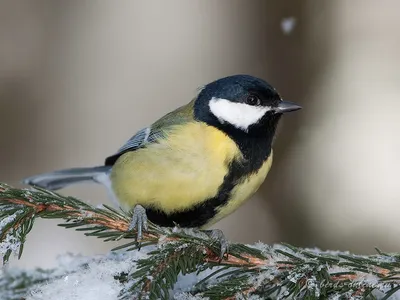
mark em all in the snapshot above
pixel 241 103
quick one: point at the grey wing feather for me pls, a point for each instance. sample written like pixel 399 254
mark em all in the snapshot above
pixel 155 132
pixel 141 138
pixel 137 140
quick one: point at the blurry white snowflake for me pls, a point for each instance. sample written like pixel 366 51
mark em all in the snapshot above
pixel 288 24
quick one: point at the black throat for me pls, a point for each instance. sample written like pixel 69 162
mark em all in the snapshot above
pixel 254 144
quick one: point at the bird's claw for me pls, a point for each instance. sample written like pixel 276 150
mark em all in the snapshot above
pixel 139 221
pixel 218 236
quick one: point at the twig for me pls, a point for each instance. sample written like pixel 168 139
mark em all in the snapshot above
pixel 249 270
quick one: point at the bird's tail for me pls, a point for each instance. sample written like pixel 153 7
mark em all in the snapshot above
pixel 60 179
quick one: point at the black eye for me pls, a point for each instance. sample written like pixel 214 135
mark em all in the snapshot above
pixel 253 100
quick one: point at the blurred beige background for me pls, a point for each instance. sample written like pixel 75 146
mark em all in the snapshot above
pixel 78 78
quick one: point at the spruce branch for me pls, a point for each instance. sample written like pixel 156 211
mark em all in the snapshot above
pixel 20 207
pixel 279 271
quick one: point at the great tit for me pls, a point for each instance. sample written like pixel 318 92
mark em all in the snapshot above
pixel 195 165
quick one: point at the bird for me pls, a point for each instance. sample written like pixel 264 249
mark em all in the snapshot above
pixel 196 164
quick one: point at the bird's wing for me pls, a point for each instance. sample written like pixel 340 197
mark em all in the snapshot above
pixel 155 132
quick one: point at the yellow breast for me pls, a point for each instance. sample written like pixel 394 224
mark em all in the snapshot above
pixel 178 172
pixel 243 191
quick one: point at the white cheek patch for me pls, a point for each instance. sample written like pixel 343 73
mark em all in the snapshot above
pixel 240 115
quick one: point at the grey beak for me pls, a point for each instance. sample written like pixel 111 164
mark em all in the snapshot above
pixel 286 106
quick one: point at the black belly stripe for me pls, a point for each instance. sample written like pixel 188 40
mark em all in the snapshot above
pixel 200 214
pixel 256 150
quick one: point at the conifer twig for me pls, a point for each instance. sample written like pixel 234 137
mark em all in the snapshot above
pixel 280 270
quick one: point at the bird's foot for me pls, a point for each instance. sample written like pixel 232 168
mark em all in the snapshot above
pixel 139 221
pixel 218 236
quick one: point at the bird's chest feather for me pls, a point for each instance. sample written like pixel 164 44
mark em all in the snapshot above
pixel 193 178
pixel 242 190
pixel 176 173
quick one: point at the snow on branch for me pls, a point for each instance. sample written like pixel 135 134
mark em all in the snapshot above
pixel 174 263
